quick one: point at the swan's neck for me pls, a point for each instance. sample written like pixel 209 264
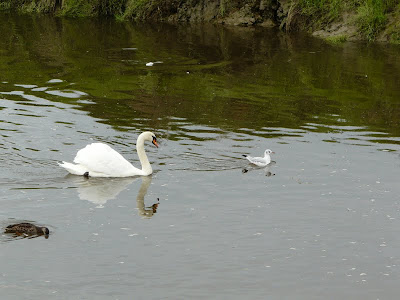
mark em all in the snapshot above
pixel 144 161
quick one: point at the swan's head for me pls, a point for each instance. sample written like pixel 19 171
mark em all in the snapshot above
pixel 268 152
pixel 151 137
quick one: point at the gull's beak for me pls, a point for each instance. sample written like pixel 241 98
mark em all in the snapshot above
pixel 155 141
pixel 272 152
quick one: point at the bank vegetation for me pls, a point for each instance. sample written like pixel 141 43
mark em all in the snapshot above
pixel 335 20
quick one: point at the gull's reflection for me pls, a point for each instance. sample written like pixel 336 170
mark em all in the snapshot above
pixel 100 190
pixel 146 212
pixel 267 169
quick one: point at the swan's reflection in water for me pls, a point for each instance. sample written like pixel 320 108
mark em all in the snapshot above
pixel 146 212
pixel 100 190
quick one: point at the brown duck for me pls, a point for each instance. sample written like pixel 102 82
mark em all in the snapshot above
pixel 27 229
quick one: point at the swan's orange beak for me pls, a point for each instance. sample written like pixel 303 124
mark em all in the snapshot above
pixel 155 141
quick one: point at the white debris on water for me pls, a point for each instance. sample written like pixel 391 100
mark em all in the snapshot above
pixel 150 64
pixel 67 93
pixel 26 86
pixel 40 89
pixel 55 80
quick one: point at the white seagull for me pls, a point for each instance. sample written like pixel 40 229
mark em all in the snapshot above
pixel 260 161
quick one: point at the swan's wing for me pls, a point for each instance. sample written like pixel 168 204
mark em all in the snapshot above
pixel 100 158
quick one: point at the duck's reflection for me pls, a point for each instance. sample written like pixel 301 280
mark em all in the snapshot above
pixel 144 211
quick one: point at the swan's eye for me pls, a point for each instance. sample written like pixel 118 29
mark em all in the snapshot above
pixel 155 141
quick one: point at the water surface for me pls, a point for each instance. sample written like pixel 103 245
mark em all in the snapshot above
pixel 321 222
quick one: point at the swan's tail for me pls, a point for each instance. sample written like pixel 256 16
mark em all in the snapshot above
pixel 72 168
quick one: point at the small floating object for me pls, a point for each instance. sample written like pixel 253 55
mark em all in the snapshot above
pixel 129 49
pixel 55 80
pixel 150 64
pixel 27 229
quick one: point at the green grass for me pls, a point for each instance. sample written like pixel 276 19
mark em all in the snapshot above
pixel 135 9
pixel 5 6
pixel 325 10
pixel 111 7
pixel 370 15
pixel 337 40
pixel 371 18
pixel 222 7
pixel 78 8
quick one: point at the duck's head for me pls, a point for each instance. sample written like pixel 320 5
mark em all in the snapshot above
pixel 45 231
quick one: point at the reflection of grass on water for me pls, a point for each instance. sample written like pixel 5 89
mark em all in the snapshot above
pixel 230 79
pixel 338 39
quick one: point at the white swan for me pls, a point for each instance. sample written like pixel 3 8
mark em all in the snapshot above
pixel 100 160
pixel 260 161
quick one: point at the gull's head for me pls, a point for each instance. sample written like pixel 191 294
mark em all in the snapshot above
pixel 268 152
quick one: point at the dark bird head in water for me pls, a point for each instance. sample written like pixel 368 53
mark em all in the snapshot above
pixel 45 230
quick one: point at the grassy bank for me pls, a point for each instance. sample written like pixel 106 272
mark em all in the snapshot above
pixel 121 9
pixel 369 19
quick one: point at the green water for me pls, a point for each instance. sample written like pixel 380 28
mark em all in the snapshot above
pixel 320 222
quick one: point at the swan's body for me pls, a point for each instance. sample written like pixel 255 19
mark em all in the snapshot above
pixel 27 229
pixel 260 161
pixel 100 160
